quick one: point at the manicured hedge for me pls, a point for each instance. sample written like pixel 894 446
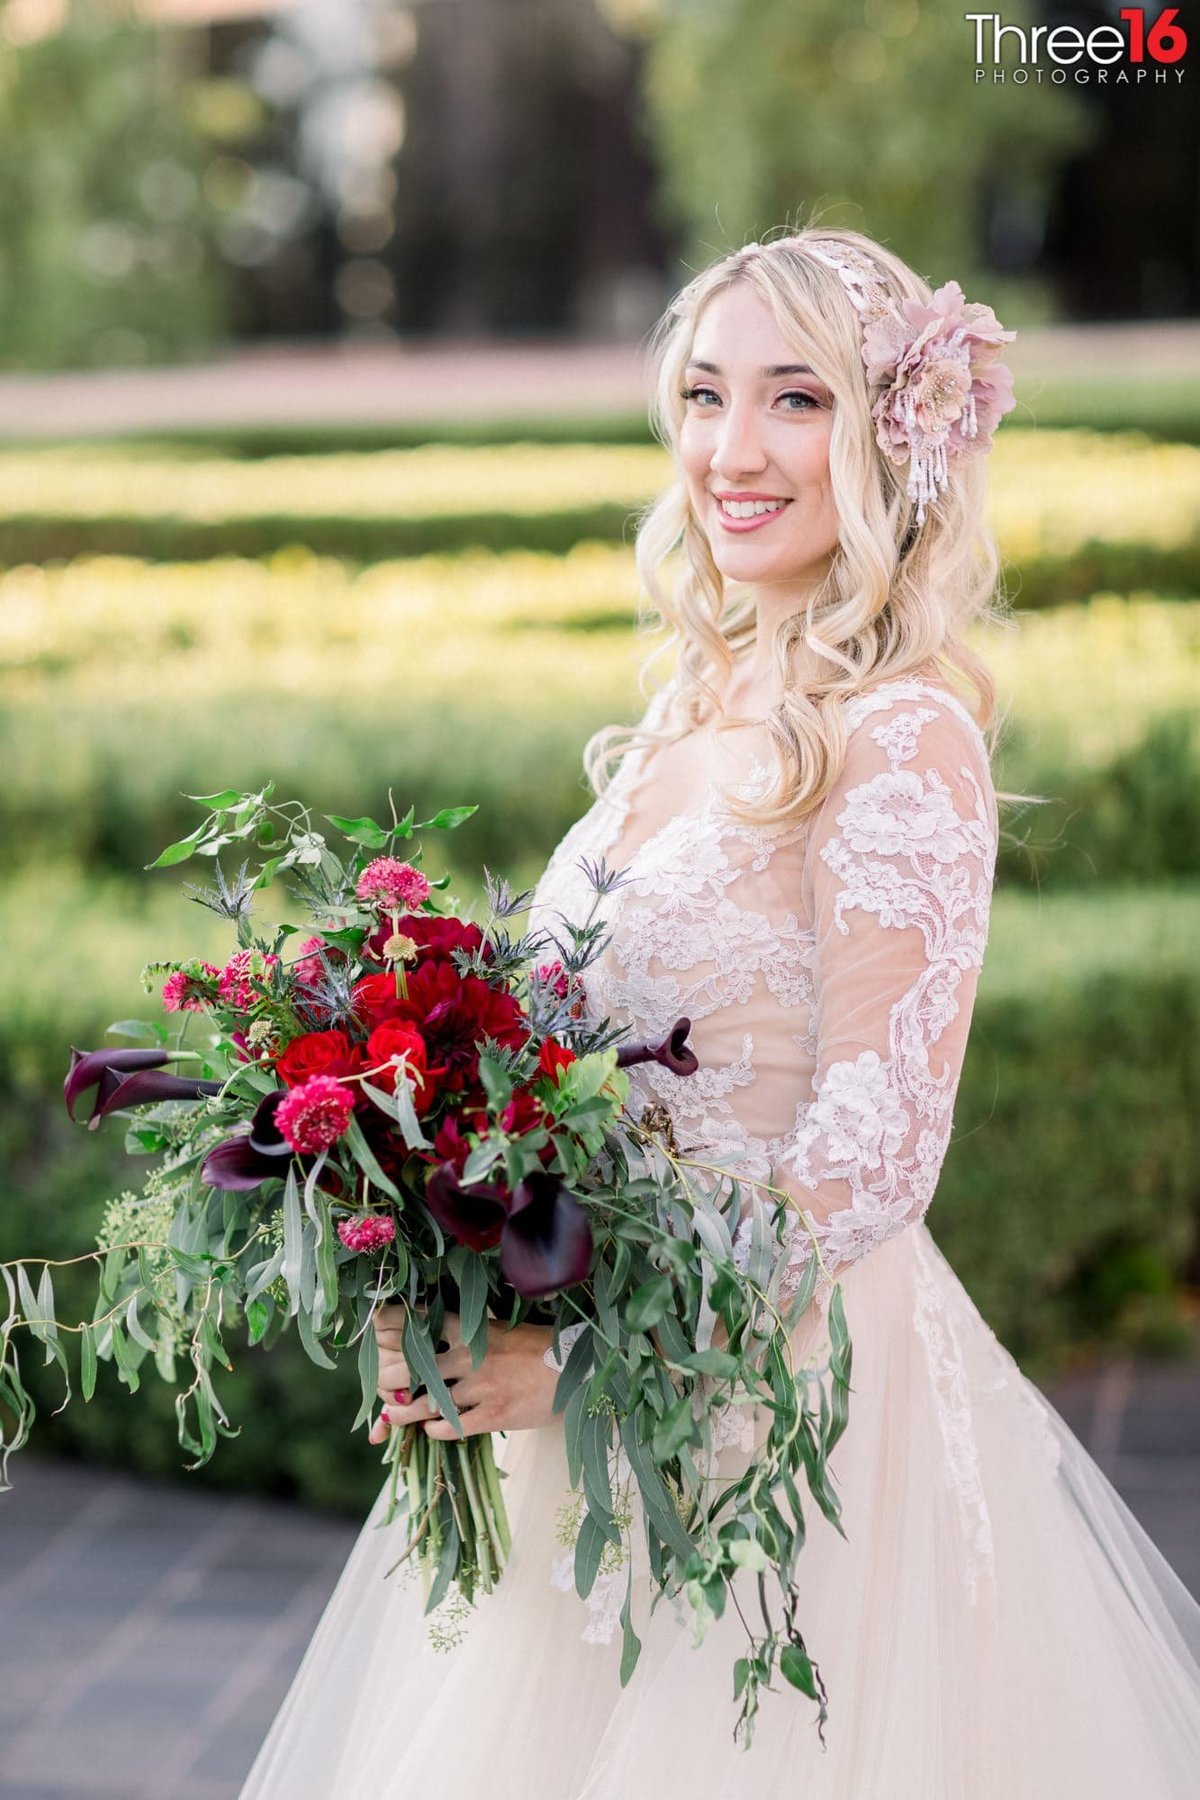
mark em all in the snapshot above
pixel 1074 511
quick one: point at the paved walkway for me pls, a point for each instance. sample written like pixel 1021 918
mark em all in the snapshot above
pixel 147 1634
pixel 422 380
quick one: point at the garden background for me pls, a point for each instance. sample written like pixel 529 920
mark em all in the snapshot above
pixel 442 599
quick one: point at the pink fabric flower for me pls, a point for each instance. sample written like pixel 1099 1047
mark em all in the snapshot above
pixel 315 1114
pixel 236 987
pixel 369 1233
pixel 391 884
pixel 180 989
pixel 945 388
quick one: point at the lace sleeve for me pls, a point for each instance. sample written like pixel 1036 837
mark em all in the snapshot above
pixel 899 865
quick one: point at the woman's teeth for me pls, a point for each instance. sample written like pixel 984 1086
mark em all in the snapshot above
pixel 747 509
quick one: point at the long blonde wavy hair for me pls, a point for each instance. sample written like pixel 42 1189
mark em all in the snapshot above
pixel 896 597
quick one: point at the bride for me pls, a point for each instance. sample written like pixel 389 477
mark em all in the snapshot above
pixel 807 826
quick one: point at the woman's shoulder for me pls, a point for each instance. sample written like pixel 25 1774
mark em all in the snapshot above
pixel 926 696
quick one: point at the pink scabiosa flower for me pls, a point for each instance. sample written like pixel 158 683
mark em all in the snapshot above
pixel 238 986
pixel 371 1232
pixel 554 976
pixel 392 885
pixel 315 1114
pixel 562 985
pixel 308 967
pixel 184 990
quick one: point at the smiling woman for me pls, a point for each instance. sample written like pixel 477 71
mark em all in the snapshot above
pixel 809 883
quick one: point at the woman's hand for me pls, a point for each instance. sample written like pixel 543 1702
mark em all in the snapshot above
pixel 511 1390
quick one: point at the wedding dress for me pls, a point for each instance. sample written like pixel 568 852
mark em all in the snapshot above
pixel 995 1624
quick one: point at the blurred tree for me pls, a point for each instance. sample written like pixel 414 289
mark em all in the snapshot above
pixel 106 249
pixel 865 114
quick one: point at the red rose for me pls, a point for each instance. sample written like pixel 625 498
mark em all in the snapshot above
pixel 376 999
pixel 554 1056
pixel 319 1053
pixel 396 1037
pixel 525 1113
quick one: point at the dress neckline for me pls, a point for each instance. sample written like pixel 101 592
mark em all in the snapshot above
pixel 638 766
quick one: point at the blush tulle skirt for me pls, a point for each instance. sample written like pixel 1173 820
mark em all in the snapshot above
pixel 995 1625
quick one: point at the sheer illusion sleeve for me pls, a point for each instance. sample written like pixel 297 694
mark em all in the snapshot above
pixel 899 868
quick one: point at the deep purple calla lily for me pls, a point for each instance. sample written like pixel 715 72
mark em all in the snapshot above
pixel 674 1053
pixel 127 1078
pixel 546 1243
pixel 249 1158
pixel 474 1214
pixel 543 1233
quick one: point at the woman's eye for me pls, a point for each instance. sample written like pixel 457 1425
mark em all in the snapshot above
pixel 807 400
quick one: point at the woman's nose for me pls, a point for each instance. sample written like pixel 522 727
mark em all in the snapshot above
pixel 738 449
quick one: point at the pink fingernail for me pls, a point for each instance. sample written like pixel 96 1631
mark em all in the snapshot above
pixel 401 1395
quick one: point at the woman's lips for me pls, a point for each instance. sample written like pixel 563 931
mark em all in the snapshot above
pixel 751 524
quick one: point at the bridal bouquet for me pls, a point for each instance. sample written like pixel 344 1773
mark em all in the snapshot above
pixel 404 1106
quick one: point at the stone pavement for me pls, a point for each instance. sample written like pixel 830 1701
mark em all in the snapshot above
pixel 421 380
pixel 148 1633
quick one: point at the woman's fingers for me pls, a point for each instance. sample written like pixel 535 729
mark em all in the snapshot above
pixel 394 1372
pixel 453 1362
pixel 389 1328
pixel 474 1420
pixel 413 1413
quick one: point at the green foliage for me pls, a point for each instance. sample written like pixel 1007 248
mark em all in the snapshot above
pixel 760 110
pixel 106 244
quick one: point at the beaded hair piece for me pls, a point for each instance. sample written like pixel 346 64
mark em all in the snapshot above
pixel 944 389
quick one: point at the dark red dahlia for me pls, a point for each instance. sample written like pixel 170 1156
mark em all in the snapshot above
pixel 434 937
pixel 454 1013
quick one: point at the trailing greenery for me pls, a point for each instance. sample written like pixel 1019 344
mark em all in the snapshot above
pixel 1069 1202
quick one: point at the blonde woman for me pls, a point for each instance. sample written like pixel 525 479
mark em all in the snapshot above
pixel 808 828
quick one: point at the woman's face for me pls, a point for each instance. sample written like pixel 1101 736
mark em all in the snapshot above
pixel 756 431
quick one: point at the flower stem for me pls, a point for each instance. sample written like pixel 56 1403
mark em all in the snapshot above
pixel 491 1475
pixel 484 1546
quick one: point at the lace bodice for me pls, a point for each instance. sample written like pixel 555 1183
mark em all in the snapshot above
pixel 829 969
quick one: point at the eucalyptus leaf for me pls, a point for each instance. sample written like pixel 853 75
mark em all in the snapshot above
pixel 589 1548
pixel 87 1360
pixel 472 1296
pixel 419 1355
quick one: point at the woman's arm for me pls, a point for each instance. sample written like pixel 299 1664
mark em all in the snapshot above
pixel 899 865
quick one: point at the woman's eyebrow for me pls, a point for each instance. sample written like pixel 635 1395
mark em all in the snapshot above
pixel 768 374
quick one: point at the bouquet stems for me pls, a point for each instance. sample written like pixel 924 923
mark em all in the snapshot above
pixel 449 1484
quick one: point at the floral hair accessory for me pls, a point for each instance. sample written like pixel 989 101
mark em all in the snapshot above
pixel 944 388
